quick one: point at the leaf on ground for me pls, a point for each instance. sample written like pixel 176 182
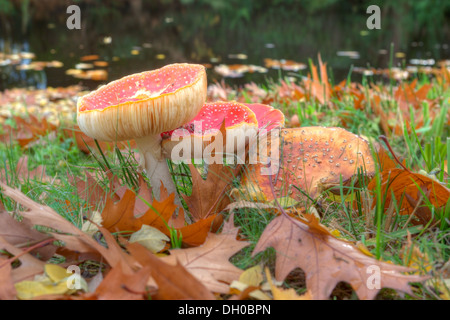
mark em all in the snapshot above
pixel 413 188
pixel 210 263
pixel 150 238
pixel 122 283
pixel 174 281
pixel 29 265
pixel 328 261
pixel 120 216
pixel 7 289
pixel 208 196
pixel 73 238
pixel 90 190
pixel 22 173
pixel 27 130
pixel 22 234
pixel 285 294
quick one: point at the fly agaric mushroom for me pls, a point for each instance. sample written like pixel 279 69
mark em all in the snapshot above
pixel 212 133
pixel 142 106
pixel 268 117
pixel 312 157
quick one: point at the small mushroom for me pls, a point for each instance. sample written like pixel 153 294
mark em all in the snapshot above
pixel 268 117
pixel 218 127
pixel 142 106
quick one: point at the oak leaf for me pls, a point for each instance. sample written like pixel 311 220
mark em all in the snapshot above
pixel 328 261
pixel 174 281
pixel 210 263
pixel 7 289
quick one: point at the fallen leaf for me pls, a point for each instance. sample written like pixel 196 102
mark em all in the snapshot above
pixel 328 261
pixel 208 196
pixel 174 281
pixel 7 289
pixel 285 294
pixel 413 188
pixel 210 263
pixel 150 238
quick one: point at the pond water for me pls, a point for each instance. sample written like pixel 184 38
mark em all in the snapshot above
pixel 131 40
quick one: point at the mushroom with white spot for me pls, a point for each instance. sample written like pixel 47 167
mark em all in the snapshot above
pixel 142 106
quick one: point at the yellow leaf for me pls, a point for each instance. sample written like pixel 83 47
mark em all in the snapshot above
pixel 151 238
pixel 286 294
pixel 30 289
pixel 252 276
pixel 236 287
pixel 91 228
pixel 364 249
pixel 56 273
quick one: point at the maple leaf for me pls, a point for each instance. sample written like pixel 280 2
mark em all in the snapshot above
pixel 210 263
pixel 327 260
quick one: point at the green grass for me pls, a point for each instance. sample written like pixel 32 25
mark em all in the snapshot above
pixel 384 233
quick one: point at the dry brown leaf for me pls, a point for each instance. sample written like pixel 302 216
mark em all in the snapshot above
pixel 285 294
pixel 22 172
pixel 26 131
pixel 23 235
pixel 174 282
pixel 413 187
pixel 7 289
pixel 210 263
pixel 122 283
pixel 208 196
pixel 120 216
pixel 328 261
pixel 29 265
pixel 74 238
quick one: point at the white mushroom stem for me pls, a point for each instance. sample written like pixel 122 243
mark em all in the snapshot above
pixel 155 165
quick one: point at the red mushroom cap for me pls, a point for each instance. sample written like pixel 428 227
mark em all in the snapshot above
pixel 310 159
pixel 209 121
pixel 267 116
pixel 144 104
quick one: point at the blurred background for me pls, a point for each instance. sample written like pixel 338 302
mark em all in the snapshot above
pixel 239 41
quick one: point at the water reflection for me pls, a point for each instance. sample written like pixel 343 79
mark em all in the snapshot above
pixel 141 36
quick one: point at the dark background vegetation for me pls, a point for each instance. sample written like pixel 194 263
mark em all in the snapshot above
pixel 202 30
